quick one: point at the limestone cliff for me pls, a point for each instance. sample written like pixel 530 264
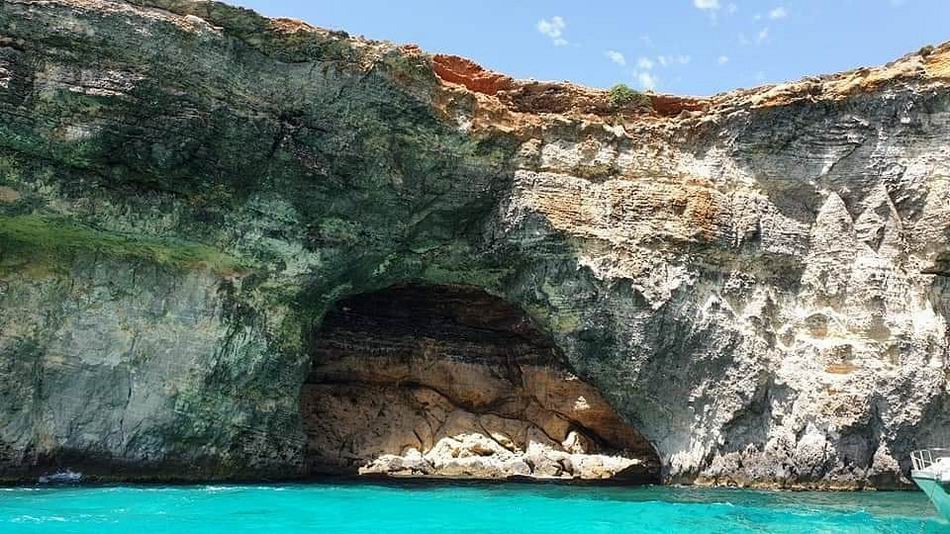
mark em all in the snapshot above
pixel 755 285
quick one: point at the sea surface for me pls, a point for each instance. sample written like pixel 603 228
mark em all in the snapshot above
pixel 418 508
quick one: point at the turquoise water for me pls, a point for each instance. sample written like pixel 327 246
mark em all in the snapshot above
pixel 455 508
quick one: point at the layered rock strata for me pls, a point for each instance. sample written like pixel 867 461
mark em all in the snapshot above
pixel 451 382
pixel 755 282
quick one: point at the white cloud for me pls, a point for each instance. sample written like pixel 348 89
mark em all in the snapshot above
pixel 732 8
pixel 647 80
pixel 673 60
pixel 553 28
pixel 711 7
pixel 645 63
pixel 706 4
pixel 757 16
pixel 616 57
pixel 757 39
pixel 722 60
pixel 778 13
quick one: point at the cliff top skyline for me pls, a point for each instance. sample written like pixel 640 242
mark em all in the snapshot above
pixel 695 47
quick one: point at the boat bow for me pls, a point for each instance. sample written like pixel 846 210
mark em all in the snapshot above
pixel 931 473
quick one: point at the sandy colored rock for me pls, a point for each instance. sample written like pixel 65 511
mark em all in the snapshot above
pixel 755 283
pixel 452 382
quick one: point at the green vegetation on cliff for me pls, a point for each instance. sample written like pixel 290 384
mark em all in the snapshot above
pixel 621 96
pixel 47 241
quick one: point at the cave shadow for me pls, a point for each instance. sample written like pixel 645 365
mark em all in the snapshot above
pixel 449 381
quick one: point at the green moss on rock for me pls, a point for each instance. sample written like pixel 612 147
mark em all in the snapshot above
pixel 45 240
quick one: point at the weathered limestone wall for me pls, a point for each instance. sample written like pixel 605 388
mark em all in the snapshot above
pixel 448 381
pixel 756 282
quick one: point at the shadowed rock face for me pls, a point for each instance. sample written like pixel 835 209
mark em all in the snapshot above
pixel 755 282
pixel 450 381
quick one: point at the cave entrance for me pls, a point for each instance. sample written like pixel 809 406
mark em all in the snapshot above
pixel 449 381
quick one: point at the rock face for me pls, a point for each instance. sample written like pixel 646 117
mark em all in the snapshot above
pixel 756 285
pixel 452 382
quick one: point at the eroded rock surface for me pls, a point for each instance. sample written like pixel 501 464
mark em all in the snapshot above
pixel 755 282
pixel 451 382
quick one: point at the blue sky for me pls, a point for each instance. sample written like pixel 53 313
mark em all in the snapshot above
pixel 697 47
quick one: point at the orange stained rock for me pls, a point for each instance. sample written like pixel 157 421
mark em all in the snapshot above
pixel 462 71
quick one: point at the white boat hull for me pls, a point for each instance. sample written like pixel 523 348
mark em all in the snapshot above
pixel 937 491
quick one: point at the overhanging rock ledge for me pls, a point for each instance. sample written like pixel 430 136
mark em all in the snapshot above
pixel 755 282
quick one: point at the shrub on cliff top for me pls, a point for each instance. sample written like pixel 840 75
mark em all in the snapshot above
pixel 622 96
